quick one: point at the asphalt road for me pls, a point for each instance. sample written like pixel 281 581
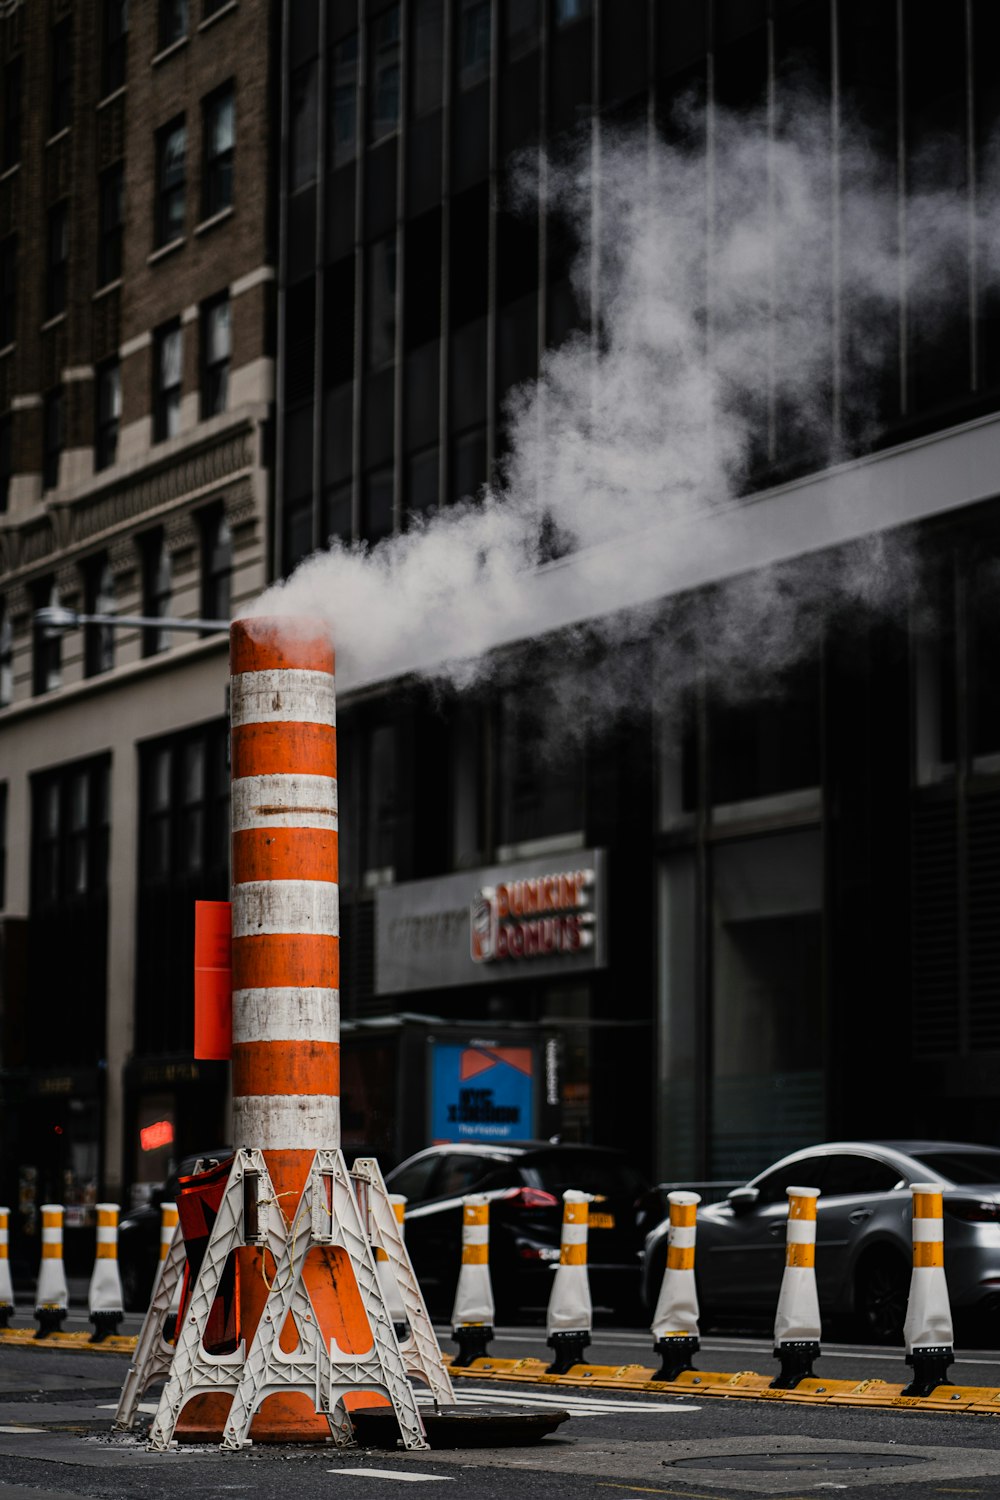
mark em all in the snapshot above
pixel 56 1409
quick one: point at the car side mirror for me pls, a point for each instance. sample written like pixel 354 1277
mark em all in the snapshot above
pixel 742 1199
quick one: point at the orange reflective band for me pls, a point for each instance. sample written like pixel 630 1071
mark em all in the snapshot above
pixel 107 1252
pixel 282 643
pixel 475 1255
pixel 164 1251
pixel 286 1068
pixel 575 1213
pixel 284 854
pixel 52 1252
pixel 51 1221
pixel 399 1209
pixel 478 1213
pixel 573 1255
pixel 928 1205
pixel 928 1253
pixel 801 1208
pixel 682 1215
pixel 380 1253
pixel 680 1258
pixel 4 1252
pixel 311 960
pixel 800 1255
pixel 285 748
pixel 106 1218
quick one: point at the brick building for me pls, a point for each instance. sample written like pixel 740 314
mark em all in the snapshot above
pixel 136 373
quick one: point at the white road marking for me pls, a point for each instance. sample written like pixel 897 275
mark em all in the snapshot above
pixel 579 1405
pixel 394 1474
pixel 15 1430
pixel 149 1407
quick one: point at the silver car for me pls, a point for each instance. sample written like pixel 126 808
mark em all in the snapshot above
pixel 863 1247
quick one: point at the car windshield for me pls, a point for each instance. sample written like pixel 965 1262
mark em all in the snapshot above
pixel 964 1167
pixel 589 1171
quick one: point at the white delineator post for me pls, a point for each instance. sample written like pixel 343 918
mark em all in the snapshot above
pixel 390 1291
pixel 569 1318
pixel 105 1301
pixel 928 1330
pixel 168 1228
pixel 473 1313
pixel 675 1321
pixel 51 1293
pixel 797 1322
pixel 6 1285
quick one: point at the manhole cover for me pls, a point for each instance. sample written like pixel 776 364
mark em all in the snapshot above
pixel 778 1463
pixel 476 1425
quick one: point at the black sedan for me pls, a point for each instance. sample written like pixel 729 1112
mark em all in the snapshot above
pixel 524 1183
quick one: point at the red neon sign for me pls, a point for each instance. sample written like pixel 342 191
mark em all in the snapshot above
pixel 152 1137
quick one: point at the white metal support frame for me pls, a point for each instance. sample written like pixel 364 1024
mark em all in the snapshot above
pixel 153 1355
pixel 421 1351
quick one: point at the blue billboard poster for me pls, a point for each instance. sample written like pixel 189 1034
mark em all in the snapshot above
pixel 482 1093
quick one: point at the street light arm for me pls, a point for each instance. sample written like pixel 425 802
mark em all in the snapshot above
pixel 56 617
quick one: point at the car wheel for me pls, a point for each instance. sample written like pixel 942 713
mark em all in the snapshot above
pixel 881 1288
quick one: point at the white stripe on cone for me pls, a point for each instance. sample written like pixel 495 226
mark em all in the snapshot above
pixel 569 1309
pixel 928 1308
pixel 797 1317
pixel 677 1304
pixel 105 1291
pixel 474 1292
pixel 51 1290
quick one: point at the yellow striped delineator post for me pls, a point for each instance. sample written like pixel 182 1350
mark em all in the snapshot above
pixel 51 1294
pixel 569 1318
pixel 390 1291
pixel 473 1313
pixel 6 1285
pixel 930 1337
pixel 797 1322
pixel 105 1301
pixel 675 1321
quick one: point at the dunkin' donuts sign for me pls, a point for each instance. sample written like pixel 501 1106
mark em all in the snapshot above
pixel 543 916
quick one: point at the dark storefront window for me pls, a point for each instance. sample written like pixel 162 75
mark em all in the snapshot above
pixel 303 114
pixel 384 74
pixel 540 777
pixel 183 857
pixel 381 764
pixel 382 302
pixel 767 746
pixel 344 101
pixel 99 640
pixel 427 55
pixel 473 42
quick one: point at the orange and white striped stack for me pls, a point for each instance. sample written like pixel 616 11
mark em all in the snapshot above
pixel 105 1302
pixel 285 955
pixel 51 1293
pixel 797 1322
pixel 928 1328
pixel 675 1321
pixel 473 1311
pixel 569 1316
pixel 6 1285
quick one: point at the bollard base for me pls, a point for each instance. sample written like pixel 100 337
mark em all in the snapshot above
pixel 49 1320
pixel 402 1332
pixel 473 1340
pixel 568 1350
pixel 675 1351
pixel 6 1313
pixel 104 1323
pixel 930 1369
pixel 466 1426
pixel 796 1357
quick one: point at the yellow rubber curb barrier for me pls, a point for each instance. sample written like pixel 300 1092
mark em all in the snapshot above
pixel 24 1338
pixel 744 1385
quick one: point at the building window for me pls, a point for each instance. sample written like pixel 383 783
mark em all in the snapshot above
pixel 12 112
pixel 385 74
pixel 61 99
pixel 568 11
pixel 54 437
pixel 109 412
pixel 216 565
pixel 473 42
pixel 69 833
pixel 219 137
pixel 46 663
pixel 111 191
pixel 114 56
pixel 541 784
pixel 303 116
pixel 209 7
pixel 382 302
pixel 171 145
pixel 167 369
pixel 173 22
pixel 427 66
pixel 344 110
pixel 57 260
pixel 6 658
pixel 156 591
pixel 380 811
pixel 99 640
pixel 8 291
pixel 6 461
pixel 215 353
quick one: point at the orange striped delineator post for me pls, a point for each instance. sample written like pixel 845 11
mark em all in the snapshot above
pixel 569 1316
pixel 6 1285
pixel 797 1323
pixel 675 1321
pixel 310 1313
pixel 105 1301
pixel 473 1311
pixel 928 1330
pixel 51 1293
